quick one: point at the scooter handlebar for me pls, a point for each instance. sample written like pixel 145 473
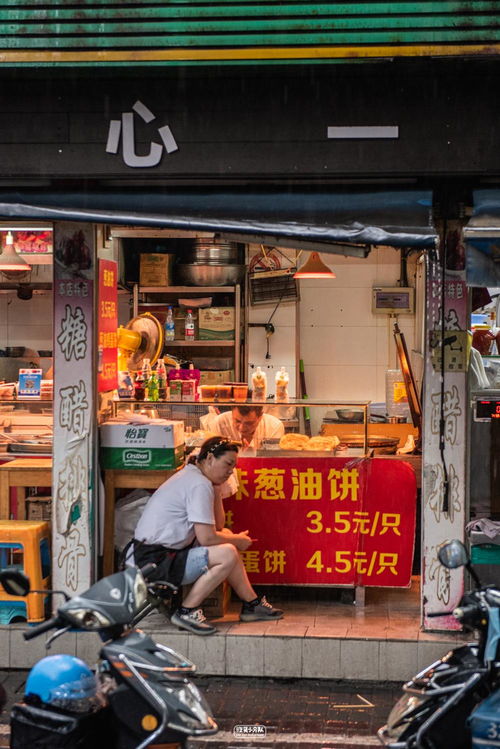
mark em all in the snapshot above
pixel 52 623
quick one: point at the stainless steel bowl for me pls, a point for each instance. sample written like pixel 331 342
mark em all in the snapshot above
pixel 210 252
pixel 197 274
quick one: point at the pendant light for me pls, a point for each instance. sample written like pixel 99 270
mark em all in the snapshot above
pixel 12 265
pixel 314 267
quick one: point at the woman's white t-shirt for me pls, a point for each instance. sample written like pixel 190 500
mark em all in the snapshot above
pixel 170 514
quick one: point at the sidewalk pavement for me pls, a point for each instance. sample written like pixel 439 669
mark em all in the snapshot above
pixel 298 713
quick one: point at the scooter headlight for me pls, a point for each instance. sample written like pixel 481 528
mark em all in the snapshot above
pixel 140 591
pixel 88 619
pixel 397 720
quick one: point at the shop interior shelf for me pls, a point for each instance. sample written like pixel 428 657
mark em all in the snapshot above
pixel 186 289
pixel 200 343
pixel 291 402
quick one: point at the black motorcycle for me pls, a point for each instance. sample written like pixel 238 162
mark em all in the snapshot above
pixel 140 694
pixel 439 706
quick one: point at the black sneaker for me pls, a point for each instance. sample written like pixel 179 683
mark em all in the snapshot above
pixel 261 611
pixel 194 622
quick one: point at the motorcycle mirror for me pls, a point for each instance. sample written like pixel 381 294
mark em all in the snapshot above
pixel 15 583
pixel 453 555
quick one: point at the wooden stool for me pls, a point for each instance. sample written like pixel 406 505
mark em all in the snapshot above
pixel 21 473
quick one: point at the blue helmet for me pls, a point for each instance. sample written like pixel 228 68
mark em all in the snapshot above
pixel 63 681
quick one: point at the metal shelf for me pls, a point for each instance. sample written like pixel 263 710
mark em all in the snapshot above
pixel 186 289
pixel 174 343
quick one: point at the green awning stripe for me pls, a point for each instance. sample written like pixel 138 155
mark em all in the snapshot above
pixel 287 27
pixel 250 40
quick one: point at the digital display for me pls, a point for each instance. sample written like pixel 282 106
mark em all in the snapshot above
pixel 488 409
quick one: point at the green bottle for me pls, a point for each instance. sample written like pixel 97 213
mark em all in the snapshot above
pixel 152 387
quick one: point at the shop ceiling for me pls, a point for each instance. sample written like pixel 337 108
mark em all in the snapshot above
pixel 155 32
pixel 331 222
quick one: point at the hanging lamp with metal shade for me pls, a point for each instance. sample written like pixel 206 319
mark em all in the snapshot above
pixel 11 263
pixel 314 267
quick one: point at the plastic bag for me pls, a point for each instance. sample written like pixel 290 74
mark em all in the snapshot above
pixel 128 510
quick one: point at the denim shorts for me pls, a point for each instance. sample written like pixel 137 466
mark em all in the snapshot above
pixel 196 564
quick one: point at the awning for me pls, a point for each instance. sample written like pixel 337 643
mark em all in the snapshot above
pixel 331 222
pixel 482 235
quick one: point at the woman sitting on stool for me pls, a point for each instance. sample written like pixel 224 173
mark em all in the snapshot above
pixel 182 531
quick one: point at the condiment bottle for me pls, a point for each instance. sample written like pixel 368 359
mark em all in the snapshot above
pixel 152 387
pixel 161 375
pixel 281 381
pixel 189 326
pixel 259 385
pixel 139 388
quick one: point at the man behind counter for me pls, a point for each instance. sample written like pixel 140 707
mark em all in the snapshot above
pixel 249 425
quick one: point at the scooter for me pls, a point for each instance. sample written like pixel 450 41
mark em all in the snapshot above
pixel 455 702
pixel 140 693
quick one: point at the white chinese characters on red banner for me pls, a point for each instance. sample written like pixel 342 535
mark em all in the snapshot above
pixel 107 324
pixel 320 521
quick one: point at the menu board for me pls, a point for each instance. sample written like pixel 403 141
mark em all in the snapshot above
pixel 317 521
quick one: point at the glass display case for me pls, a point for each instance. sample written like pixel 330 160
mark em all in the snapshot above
pixel 354 429
pixel 26 427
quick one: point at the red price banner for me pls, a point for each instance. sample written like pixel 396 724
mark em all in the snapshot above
pixel 107 322
pixel 337 521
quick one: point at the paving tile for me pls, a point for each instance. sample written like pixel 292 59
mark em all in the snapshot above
pixel 4 647
pixel 208 653
pixel 428 652
pixel 245 656
pixel 359 659
pixel 398 661
pixel 24 654
pixel 282 656
pixel 321 658
pixel 88 645
pixel 177 641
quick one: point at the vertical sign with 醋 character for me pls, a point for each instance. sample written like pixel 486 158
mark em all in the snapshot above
pixel 107 322
pixel 74 369
pixel 445 427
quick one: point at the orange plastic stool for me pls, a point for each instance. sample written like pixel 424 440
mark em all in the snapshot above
pixel 25 545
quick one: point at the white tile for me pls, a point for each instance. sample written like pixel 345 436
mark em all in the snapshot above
pixel 347 346
pixel 333 308
pixel 281 347
pixel 36 311
pixel 282 656
pixel 284 316
pixel 342 383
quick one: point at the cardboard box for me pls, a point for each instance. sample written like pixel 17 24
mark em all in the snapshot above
pixel 217 602
pixel 147 446
pixel 155 269
pixel 216 377
pixel 216 324
pixel 39 508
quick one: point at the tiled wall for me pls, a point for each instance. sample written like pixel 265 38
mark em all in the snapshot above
pixel 26 322
pixel 345 347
